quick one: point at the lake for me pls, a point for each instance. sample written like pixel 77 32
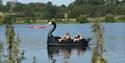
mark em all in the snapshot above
pixel 34 43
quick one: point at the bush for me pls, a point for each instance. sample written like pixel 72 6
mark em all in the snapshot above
pixel 27 20
pixel 120 18
pixel 82 19
pixel 1 17
pixel 58 20
pixel 109 18
pixel 9 19
pixel 19 15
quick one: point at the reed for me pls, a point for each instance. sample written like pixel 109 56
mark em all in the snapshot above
pixel 34 59
pixel 1 46
pixel 99 48
pixel 14 52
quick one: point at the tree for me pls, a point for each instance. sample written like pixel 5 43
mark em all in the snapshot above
pixel 7 6
pixel 78 2
pixel 50 11
pixel 18 7
pixel 61 11
pixel 1 5
pixel 76 11
pixel 90 8
pixel 9 19
pixel 49 4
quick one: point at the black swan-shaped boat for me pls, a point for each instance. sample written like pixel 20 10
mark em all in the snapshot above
pixel 54 40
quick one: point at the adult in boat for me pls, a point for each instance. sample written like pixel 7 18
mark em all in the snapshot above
pixel 78 37
pixel 66 37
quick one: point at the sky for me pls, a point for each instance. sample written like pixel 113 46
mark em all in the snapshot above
pixel 55 2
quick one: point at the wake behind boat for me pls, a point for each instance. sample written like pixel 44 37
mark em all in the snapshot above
pixel 54 40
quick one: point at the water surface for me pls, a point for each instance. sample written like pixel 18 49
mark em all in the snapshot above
pixel 33 42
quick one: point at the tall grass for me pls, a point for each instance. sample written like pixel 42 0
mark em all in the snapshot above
pixel 1 46
pixel 14 52
pixel 1 49
pixel 99 48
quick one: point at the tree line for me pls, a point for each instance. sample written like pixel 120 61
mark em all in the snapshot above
pixel 89 8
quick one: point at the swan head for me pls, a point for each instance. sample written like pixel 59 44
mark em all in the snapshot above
pixel 51 22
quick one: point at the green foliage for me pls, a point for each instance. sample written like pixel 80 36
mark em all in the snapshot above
pixel 1 5
pixel 59 15
pixel 9 19
pixel 18 15
pixel 1 46
pixel 97 58
pixel 82 19
pixel 109 18
pixel 76 11
pixel 1 17
pixel 7 7
pixel 27 20
pixel 50 12
pixel 93 8
pixel 120 18
pixel 99 49
pixel 29 13
pixel 58 20
pixel 13 43
pixel 90 8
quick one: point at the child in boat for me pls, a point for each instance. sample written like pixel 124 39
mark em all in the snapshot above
pixel 78 37
pixel 65 37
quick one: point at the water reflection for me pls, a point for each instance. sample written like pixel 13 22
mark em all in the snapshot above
pixel 65 51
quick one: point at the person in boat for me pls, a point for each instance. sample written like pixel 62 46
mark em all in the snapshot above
pixel 78 37
pixel 65 37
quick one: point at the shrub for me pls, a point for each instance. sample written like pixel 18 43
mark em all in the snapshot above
pixel 58 20
pixel 120 18
pixel 82 19
pixel 9 19
pixel 1 17
pixel 27 20
pixel 109 18
pixel 19 15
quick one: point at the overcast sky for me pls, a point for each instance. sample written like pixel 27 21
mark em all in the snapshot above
pixel 57 2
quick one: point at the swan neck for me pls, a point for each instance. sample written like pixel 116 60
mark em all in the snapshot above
pixel 52 30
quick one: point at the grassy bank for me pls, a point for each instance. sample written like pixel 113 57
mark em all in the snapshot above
pixel 63 21
pixel 70 21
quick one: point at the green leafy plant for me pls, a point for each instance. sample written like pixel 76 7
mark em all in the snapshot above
pixel 14 52
pixel 109 18
pixel 82 19
pixel 1 46
pixel 120 18
pixel 98 34
pixel 1 17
